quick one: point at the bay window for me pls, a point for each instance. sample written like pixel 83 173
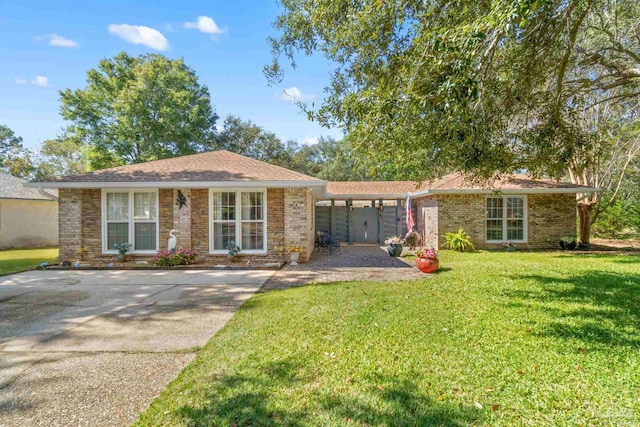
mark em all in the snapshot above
pixel 506 219
pixel 238 216
pixel 130 216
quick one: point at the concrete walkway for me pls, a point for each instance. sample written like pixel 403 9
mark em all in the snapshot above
pixel 357 262
pixel 91 348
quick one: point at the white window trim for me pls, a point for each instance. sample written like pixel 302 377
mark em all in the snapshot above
pixel 131 221
pixel 238 220
pixel 525 207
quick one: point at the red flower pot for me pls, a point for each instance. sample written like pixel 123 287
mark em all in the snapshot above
pixel 427 265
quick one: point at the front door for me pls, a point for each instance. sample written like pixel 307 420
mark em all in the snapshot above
pixel 365 225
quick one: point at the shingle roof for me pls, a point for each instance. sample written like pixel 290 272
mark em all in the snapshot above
pixel 372 188
pixel 213 166
pixel 12 188
pixel 448 183
pixel 457 181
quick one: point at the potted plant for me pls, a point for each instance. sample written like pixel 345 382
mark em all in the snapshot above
pixel 509 246
pixel 568 242
pixel 294 251
pixel 427 260
pixel 232 250
pixel 123 249
pixel 394 246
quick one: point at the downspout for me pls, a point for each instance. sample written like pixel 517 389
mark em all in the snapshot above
pixel 48 195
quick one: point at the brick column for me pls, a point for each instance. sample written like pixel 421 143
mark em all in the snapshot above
pixel 298 220
pixel 69 223
pixel 182 219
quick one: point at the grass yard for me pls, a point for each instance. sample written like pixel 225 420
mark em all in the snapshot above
pixel 15 261
pixel 500 339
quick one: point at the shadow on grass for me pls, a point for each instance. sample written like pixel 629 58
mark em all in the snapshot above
pixel 595 307
pixel 277 393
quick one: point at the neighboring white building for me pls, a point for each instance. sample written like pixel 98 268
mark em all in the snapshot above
pixel 28 218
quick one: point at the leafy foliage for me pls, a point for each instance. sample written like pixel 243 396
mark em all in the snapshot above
pixel 136 109
pixel 472 86
pixel 458 241
pixel 14 158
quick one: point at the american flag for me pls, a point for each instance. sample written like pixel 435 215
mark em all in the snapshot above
pixel 410 221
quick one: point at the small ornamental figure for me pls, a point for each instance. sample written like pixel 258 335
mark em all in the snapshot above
pixel 181 200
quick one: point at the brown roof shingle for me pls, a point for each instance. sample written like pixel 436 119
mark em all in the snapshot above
pixel 371 188
pixel 212 166
pixel 450 182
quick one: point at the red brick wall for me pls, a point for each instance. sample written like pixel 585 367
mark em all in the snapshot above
pixel 550 216
pixel 92 222
pixel 165 216
pixel 80 223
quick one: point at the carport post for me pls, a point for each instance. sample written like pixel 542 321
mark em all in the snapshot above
pixel 380 221
pixel 398 205
pixel 349 218
pixel 332 216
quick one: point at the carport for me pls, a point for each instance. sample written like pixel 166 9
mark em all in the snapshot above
pixel 363 211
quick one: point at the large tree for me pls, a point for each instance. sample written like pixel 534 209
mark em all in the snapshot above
pixel 136 109
pixel 481 87
pixel 14 158
pixel 64 155
pixel 247 138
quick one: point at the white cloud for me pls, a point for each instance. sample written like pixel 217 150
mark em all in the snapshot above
pixel 57 40
pixel 294 94
pixel 310 141
pixel 138 34
pixel 41 81
pixel 205 24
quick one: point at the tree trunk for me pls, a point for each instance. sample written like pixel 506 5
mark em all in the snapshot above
pixel 584 212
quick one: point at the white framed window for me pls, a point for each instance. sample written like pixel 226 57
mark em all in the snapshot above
pixel 238 216
pixel 506 219
pixel 130 216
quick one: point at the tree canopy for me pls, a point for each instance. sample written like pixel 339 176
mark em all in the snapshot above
pixel 458 85
pixel 136 109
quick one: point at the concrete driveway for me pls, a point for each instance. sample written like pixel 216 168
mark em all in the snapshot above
pixel 95 347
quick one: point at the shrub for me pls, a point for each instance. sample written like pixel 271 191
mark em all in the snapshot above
pixel 179 257
pixel 459 241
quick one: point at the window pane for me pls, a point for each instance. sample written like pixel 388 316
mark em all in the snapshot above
pixel 117 232
pixel 117 206
pixel 494 208
pixel 252 205
pixel 145 233
pixel 144 206
pixel 515 230
pixel 224 206
pixel 223 233
pixel 252 235
pixel 494 229
pixel 515 208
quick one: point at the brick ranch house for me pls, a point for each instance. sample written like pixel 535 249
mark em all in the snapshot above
pixel 264 208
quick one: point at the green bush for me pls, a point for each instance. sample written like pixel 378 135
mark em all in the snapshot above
pixel 459 241
pixel 621 219
pixel 179 257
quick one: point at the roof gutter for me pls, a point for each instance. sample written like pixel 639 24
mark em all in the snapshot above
pixel 179 184
pixel 48 195
pixel 509 191
pixel 365 196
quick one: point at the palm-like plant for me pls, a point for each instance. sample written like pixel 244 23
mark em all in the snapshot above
pixel 459 241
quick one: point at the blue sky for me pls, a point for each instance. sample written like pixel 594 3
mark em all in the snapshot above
pixel 49 46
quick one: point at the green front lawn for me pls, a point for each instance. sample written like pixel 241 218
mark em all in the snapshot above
pixel 14 261
pixel 495 338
